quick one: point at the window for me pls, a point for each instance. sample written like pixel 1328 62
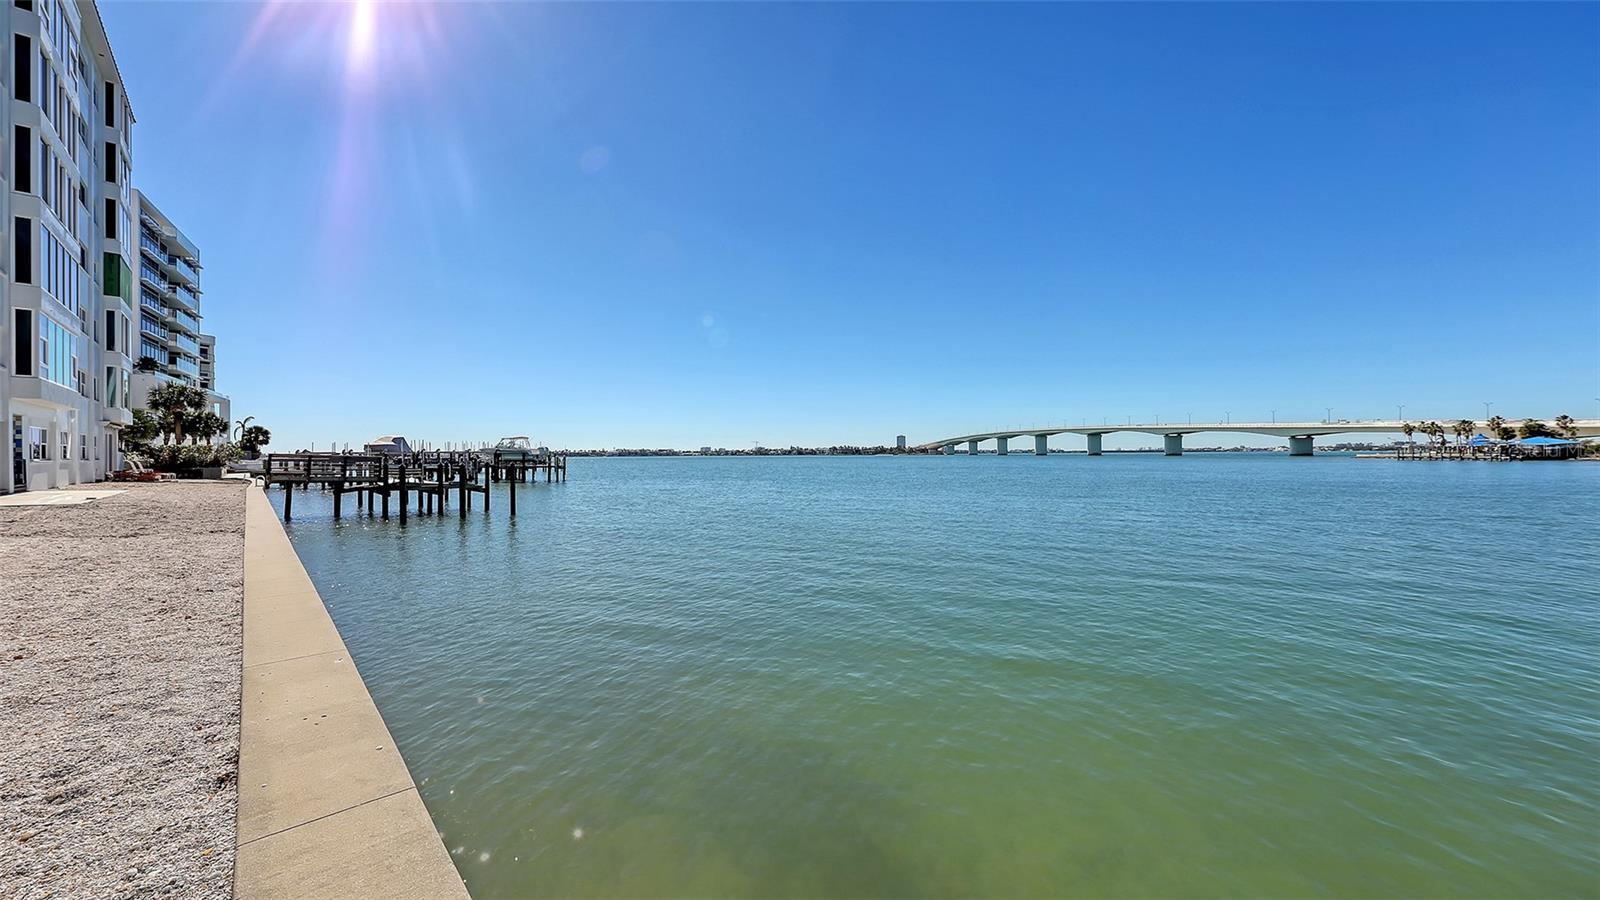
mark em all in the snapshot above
pixel 66 446
pixel 111 331
pixel 22 359
pixel 22 67
pixel 111 162
pixel 38 444
pixel 58 354
pixel 83 446
pixel 111 105
pixel 22 245
pixel 111 218
pixel 22 159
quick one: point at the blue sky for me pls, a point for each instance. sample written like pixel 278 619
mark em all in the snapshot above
pixel 676 225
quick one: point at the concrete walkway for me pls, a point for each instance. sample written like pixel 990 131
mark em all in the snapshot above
pixel 327 807
pixel 56 497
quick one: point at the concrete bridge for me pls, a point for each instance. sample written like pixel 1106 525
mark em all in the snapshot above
pixel 1300 434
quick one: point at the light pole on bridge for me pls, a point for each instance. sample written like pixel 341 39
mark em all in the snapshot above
pixel 1330 414
pixel 1486 405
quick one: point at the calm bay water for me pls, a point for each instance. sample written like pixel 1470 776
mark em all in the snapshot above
pixel 1220 674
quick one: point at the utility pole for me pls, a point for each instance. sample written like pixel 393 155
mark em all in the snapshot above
pixel 1486 405
pixel 1330 415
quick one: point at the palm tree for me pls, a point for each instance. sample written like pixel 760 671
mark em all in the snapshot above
pixel 1435 433
pixel 241 425
pixel 175 403
pixel 1464 429
pixel 205 426
pixel 1566 427
pixel 1409 429
pixel 1533 428
pixel 253 438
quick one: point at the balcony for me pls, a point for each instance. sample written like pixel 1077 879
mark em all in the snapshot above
pixel 151 246
pixel 188 298
pixel 185 321
pixel 153 328
pixel 150 276
pixel 185 269
pixel 186 365
pixel 186 343
pixel 152 302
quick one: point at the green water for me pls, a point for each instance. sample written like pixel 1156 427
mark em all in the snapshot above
pixel 1131 676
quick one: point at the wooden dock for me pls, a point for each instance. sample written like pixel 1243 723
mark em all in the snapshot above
pixel 431 477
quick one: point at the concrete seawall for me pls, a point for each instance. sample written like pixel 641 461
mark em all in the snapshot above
pixel 327 807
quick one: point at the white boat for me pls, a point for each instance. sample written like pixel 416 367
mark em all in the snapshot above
pixel 519 447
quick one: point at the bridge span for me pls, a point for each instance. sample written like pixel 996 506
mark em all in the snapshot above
pixel 1301 435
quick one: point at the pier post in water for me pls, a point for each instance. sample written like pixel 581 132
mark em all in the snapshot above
pixel 512 483
pixel 403 497
pixel 288 501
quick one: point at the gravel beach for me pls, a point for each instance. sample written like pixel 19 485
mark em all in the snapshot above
pixel 120 643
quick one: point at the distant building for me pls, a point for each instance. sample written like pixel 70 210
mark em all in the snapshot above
pixel 171 346
pixel 389 443
pixel 899 442
pixel 705 451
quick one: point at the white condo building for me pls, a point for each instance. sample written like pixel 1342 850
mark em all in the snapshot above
pixel 67 255
pixel 170 344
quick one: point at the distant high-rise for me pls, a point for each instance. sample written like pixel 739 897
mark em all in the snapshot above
pixel 171 345
pixel 900 442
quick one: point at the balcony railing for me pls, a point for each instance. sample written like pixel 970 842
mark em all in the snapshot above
pixel 151 302
pixel 152 327
pixel 186 321
pixel 150 276
pixel 186 343
pixel 184 267
pixel 184 364
pixel 188 298
pixel 151 245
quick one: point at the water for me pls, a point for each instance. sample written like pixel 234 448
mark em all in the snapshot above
pixel 1132 676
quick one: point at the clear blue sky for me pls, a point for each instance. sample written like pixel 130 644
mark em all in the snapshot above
pixel 676 225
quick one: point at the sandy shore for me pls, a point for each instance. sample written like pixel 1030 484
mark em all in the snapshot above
pixel 120 640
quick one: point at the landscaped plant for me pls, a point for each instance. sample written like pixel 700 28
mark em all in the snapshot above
pixel 176 405
pixel 252 438
pixel 204 426
pixel 185 457
pixel 1533 428
pixel 136 438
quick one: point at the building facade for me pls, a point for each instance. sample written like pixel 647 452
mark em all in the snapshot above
pixel 170 346
pixel 66 247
